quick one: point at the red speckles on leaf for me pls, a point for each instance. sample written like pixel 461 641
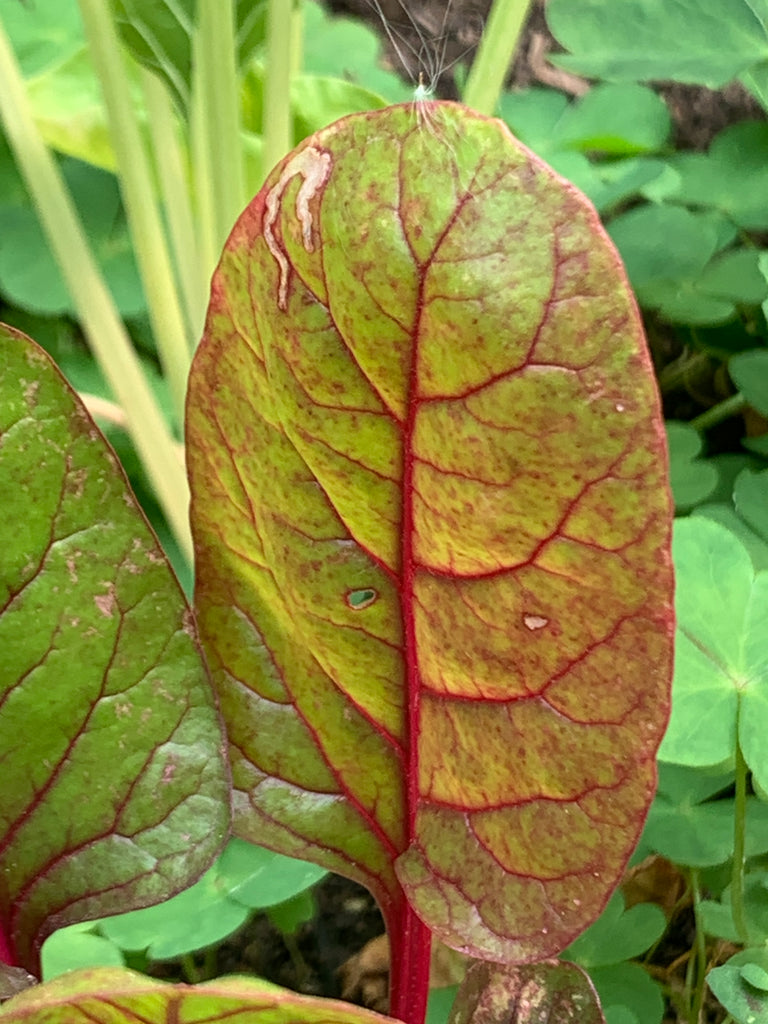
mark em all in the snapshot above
pixel 431 523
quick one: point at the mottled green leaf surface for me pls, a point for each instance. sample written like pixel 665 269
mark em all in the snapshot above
pixel 115 996
pixel 551 992
pixel 431 526
pixel 114 790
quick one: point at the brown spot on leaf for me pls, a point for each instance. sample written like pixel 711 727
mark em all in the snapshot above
pixel 106 602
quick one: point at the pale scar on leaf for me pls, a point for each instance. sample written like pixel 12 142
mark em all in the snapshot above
pixel 314 166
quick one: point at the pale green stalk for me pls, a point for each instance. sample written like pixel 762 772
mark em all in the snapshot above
pixel 136 185
pixel 494 55
pixel 172 177
pixel 202 170
pixel 297 45
pixel 281 42
pixel 218 146
pixel 95 309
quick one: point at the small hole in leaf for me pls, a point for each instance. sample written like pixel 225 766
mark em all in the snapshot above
pixel 534 622
pixel 359 599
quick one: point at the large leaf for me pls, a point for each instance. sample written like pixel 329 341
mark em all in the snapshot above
pixel 114 996
pixel 431 527
pixel 114 791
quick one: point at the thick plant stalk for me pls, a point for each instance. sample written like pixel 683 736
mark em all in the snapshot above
pixel 718 413
pixel 217 145
pixel 494 55
pixel 277 110
pixel 139 197
pixel 95 308
pixel 174 188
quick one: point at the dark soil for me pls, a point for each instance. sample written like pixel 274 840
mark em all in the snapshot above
pixel 347 918
pixel 310 961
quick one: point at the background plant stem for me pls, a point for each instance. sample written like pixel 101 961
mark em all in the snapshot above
pixel 722 411
pixel 217 55
pixel 138 193
pixel 281 40
pixel 173 182
pixel 494 55
pixel 96 311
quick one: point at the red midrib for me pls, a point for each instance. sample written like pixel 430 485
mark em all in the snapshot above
pixel 408 574
pixel 410 938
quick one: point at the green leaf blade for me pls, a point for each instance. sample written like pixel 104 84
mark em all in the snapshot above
pixel 114 791
pixel 431 522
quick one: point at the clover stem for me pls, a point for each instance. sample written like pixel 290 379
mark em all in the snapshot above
pixel 189 969
pixel 720 412
pixel 739 832
pixel 700 950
